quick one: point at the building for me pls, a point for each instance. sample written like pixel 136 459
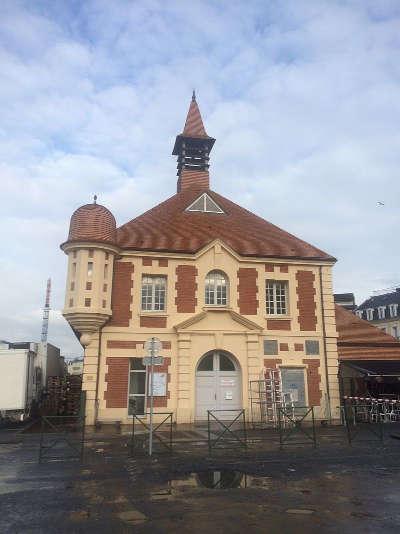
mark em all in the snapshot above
pixel 346 300
pixel 369 359
pixel 383 311
pixel 226 292
pixel 24 368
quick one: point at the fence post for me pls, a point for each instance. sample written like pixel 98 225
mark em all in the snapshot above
pixel 41 439
pixel 208 430
pixel 280 429
pixel 313 427
pixel 244 429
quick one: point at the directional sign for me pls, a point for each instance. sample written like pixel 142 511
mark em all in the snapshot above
pixel 157 360
pixel 153 344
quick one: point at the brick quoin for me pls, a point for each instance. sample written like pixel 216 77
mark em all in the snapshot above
pixel 121 294
pixel 269 267
pixel 298 347
pixel 272 363
pixel 277 324
pixel 116 395
pixel 153 322
pixel 283 346
pixel 162 262
pixel 186 288
pixel 305 300
pixel 284 268
pixel 147 262
pixel 162 402
pixel 247 290
pixel 115 344
pixel 313 382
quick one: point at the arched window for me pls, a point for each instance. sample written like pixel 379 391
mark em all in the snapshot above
pixel 216 289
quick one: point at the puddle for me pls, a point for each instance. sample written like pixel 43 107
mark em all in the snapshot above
pixel 218 479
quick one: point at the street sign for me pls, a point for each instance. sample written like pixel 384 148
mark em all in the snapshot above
pixel 156 360
pixel 153 344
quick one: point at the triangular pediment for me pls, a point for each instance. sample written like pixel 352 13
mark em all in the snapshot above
pixel 218 319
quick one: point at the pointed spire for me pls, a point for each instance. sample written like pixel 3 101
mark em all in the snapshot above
pixel 194 126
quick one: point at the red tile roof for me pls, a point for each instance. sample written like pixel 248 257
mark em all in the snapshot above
pixel 92 222
pixel 360 340
pixel 194 126
pixel 169 228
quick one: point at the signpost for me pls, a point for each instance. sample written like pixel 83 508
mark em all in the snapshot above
pixel 153 347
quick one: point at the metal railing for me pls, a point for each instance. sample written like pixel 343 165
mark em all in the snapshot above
pixel 161 435
pixel 231 431
pixel 296 421
pixel 62 434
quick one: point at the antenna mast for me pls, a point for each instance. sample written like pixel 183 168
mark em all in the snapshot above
pixel 46 312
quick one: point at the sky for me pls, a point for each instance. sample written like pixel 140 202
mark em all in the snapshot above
pixel 302 97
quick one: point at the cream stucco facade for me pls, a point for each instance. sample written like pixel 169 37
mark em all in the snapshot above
pixel 191 335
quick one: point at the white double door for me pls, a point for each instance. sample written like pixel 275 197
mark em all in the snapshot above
pixel 218 386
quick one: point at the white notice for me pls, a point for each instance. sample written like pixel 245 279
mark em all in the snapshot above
pixel 227 382
pixel 159 384
pixel 294 394
pixel 228 395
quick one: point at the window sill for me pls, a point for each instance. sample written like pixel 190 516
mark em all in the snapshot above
pixel 279 317
pixel 144 313
pixel 216 307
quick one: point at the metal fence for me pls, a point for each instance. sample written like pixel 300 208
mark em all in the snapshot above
pixel 226 429
pixel 364 418
pixel 296 426
pixel 62 437
pixel 162 433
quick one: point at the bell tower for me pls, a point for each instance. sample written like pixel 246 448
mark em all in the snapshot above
pixel 193 147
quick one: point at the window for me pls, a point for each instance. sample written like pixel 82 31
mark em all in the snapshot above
pixel 312 346
pixel 137 387
pixel 71 302
pixel 106 270
pixel 393 310
pixel 104 287
pixel 73 271
pixel 104 303
pixel 153 293
pixel 88 286
pixel 370 314
pixel 91 253
pixel 216 361
pixel 395 331
pixel 87 303
pixel 205 204
pixel 359 313
pixel 293 385
pixel 270 346
pixel 74 254
pixel 276 297
pixel 381 312
pixel 90 268
pixel 72 286
pixel 216 289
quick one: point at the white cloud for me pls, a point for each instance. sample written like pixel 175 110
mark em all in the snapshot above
pixel 302 97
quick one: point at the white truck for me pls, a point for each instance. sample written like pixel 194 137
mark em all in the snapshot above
pixel 18 379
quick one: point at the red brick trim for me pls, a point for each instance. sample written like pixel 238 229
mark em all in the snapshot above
pixel 283 346
pixel 121 294
pixel 186 287
pixel 313 382
pixel 117 377
pixel 284 268
pixel 272 363
pixel 116 344
pixel 147 262
pixel 162 262
pixel 306 301
pixel 298 347
pixel 153 322
pixel 269 267
pixel 278 324
pixel 247 290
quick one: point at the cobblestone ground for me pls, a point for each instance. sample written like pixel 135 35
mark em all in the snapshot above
pixel 334 488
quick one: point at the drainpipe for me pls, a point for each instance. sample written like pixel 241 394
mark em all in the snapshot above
pixel 96 399
pixel 325 352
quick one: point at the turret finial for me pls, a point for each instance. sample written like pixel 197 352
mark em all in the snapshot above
pixel 194 96
pixel 95 199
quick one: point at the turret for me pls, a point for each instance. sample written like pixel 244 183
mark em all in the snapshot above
pixel 91 250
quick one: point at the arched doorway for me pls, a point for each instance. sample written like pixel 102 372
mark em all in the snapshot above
pixel 218 384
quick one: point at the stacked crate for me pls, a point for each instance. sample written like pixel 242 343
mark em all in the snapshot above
pixel 63 395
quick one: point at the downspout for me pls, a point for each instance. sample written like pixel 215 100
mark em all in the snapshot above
pixel 96 397
pixel 325 351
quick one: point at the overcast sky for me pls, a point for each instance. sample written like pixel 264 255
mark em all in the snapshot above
pixel 302 97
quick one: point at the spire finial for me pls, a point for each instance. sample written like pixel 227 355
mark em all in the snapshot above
pixel 95 199
pixel 194 96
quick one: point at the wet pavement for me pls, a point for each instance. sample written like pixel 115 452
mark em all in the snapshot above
pixel 329 489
